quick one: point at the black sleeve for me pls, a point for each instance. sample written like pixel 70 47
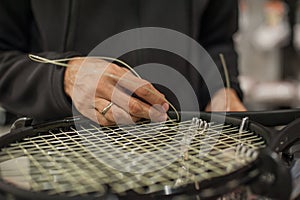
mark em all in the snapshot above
pixel 28 88
pixel 218 24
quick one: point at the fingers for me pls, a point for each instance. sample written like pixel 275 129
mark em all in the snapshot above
pixel 114 115
pixel 154 106
pixel 142 88
pixel 138 108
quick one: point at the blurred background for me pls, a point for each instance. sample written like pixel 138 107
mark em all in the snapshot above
pixel 268 43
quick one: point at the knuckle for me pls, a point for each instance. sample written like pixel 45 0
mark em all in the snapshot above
pixel 135 108
pixel 112 68
pixel 145 91
pixel 104 92
pixel 146 84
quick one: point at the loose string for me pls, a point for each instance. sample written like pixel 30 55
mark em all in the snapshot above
pixel 227 81
pixel 61 62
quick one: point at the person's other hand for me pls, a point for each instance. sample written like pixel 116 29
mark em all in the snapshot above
pixel 93 83
pixel 219 101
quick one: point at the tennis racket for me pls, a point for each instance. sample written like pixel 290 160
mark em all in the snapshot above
pixel 194 158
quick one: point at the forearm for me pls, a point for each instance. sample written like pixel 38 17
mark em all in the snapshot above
pixel 33 89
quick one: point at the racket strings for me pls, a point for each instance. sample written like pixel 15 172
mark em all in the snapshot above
pixel 143 158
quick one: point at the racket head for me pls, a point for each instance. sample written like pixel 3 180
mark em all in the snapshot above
pixel 212 187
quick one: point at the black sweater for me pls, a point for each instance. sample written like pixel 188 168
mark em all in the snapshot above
pixel 59 29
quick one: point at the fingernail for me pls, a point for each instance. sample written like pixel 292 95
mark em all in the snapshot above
pixel 165 106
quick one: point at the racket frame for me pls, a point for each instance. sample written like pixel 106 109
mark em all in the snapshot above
pixel 266 163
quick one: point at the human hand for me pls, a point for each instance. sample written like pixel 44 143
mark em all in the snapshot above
pixel 93 83
pixel 219 101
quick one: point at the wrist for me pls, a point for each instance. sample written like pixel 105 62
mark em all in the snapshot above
pixel 70 75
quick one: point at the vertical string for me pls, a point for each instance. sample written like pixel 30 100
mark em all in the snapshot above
pixel 227 81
